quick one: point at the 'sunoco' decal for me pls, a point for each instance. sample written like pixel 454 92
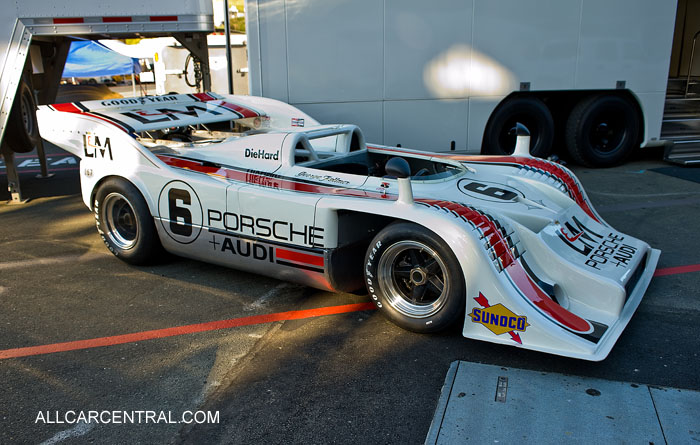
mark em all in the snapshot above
pixel 180 212
pixel 498 319
pixel 488 191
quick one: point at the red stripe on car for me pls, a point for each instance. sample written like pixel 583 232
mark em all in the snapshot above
pixel 299 257
pixel 514 269
pixel 245 112
pixel 204 97
pixel 268 181
pixel 553 169
pixel 72 108
pixel 67 108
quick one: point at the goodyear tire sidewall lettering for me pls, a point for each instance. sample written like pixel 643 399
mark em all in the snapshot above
pixel 98 224
pixel 371 285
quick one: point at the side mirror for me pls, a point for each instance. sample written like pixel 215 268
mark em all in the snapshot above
pixel 398 168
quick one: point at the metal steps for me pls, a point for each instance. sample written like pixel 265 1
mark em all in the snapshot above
pixel 686 152
pixel 681 123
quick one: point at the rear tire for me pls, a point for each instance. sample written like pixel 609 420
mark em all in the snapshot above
pixel 602 131
pixel 125 223
pixel 23 134
pixel 414 278
pixel 500 137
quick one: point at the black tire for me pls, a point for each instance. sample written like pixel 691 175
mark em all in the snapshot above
pixel 125 223
pixel 602 131
pixel 499 136
pixel 414 278
pixel 23 131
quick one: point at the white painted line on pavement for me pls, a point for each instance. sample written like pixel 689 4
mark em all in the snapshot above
pixel 78 430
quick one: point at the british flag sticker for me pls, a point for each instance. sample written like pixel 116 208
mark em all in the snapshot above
pixel 297 122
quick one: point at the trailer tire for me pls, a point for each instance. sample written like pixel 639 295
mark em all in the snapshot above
pixel 414 278
pixel 499 136
pixel 23 131
pixel 602 130
pixel 125 223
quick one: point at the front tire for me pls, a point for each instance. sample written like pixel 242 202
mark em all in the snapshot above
pixel 414 278
pixel 125 223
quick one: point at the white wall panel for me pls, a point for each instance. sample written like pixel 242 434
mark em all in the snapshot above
pixel 335 51
pixel 366 115
pixel 615 49
pixel 426 124
pixel 416 33
pixel 273 46
pixel 535 41
pixel 653 108
pixel 480 109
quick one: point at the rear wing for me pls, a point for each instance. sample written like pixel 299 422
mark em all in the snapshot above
pixel 137 114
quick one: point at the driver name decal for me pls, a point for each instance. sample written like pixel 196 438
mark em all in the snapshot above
pixel 326 178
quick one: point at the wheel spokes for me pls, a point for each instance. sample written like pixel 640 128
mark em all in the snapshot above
pixel 418 293
pixel 403 271
pixel 415 278
pixel 415 258
pixel 431 266
pixel 436 284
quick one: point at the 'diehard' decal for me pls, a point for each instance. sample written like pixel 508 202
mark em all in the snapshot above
pixel 180 212
pixel 498 319
pixel 262 154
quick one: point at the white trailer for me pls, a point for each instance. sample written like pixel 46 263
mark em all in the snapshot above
pixel 37 38
pixel 457 74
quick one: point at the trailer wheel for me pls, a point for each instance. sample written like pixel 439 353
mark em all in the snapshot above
pixel 414 278
pixel 602 130
pixel 125 223
pixel 500 137
pixel 23 134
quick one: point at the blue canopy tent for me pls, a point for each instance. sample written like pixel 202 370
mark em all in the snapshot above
pixel 91 59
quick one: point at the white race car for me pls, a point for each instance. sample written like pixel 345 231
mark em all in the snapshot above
pixel 510 246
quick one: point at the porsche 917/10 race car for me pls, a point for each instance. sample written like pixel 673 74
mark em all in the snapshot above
pixel 509 245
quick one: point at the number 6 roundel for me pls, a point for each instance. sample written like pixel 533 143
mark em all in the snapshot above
pixel 180 212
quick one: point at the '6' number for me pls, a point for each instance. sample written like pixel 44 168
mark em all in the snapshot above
pixel 491 192
pixel 180 217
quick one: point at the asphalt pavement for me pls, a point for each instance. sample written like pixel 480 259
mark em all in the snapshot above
pixel 318 379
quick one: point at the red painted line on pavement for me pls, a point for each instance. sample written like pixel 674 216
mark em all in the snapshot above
pixel 677 270
pixel 183 330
